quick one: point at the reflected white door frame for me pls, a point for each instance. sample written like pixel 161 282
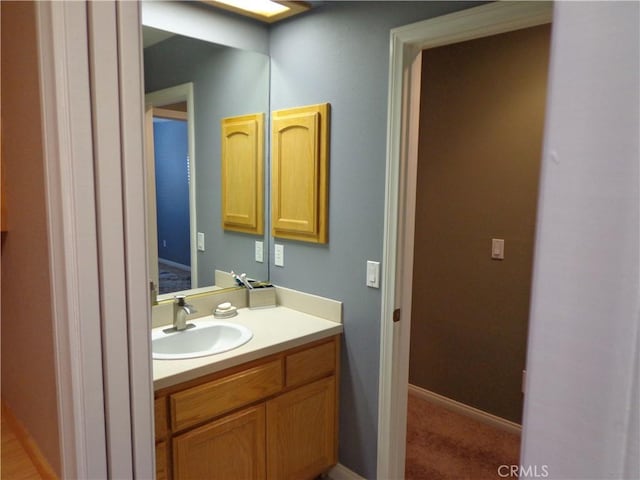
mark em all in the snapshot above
pixel 179 93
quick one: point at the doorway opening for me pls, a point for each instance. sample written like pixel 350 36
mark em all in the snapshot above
pixel 482 109
pixel 172 183
pixel 407 45
pixel 171 195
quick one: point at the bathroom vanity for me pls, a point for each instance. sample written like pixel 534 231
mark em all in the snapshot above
pixel 266 410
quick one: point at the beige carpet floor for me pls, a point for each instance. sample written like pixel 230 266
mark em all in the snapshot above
pixel 444 445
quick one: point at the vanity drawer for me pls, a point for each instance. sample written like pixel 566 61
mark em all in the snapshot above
pixel 194 405
pixel 310 364
pixel 160 413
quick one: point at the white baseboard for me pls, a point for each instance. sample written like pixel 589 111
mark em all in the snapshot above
pixel 170 263
pixel 340 472
pixel 461 408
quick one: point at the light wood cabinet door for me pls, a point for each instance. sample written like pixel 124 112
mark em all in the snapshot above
pixel 242 173
pixel 299 173
pixel 301 432
pixel 232 448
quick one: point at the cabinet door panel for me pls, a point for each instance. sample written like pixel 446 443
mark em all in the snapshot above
pixel 301 432
pixel 296 165
pixel 232 448
pixel 242 173
pixel 299 173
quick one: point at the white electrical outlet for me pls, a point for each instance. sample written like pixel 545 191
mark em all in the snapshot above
pixel 279 255
pixel 259 251
pixel 201 241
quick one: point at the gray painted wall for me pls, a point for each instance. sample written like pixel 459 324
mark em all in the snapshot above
pixel 226 82
pixel 339 53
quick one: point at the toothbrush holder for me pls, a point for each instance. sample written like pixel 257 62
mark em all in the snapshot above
pixel 262 297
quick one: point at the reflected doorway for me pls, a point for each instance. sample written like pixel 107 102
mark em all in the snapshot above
pixel 169 140
pixel 172 168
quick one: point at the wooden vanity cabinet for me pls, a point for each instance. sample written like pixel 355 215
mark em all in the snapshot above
pixel 161 431
pixel 274 418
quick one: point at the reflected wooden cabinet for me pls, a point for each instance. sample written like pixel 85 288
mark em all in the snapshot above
pixel 299 173
pixel 274 418
pixel 242 173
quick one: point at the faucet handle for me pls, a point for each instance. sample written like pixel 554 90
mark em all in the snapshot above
pixel 180 300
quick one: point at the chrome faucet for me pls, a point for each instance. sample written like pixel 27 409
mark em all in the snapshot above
pixel 180 311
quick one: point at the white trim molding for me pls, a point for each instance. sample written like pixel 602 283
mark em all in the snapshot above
pixel 466 410
pixel 134 218
pixel 404 94
pixel 73 251
pixel 93 188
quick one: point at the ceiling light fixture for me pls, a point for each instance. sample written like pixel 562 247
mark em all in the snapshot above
pixel 265 10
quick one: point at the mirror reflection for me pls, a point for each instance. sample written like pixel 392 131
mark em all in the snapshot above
pixel 190 86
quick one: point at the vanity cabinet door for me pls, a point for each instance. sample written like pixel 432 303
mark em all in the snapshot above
pixel 301 432
pixel 232 448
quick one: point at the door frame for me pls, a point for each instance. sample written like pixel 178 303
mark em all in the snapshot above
pixel 405 65
pixel 91 106
pixel 159 98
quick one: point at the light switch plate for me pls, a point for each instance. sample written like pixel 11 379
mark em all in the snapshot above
pixel 373 274
pixel 259 251
pixel 279 255
pixel 201 241
pixel 497 248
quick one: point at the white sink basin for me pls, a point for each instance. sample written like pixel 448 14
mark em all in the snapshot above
pixel 206 338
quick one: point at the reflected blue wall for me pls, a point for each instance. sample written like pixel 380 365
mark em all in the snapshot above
pixel 172 189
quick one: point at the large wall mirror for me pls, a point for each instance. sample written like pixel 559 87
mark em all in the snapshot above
pixel 190 86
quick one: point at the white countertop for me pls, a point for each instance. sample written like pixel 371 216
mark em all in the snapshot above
pixel 274 330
